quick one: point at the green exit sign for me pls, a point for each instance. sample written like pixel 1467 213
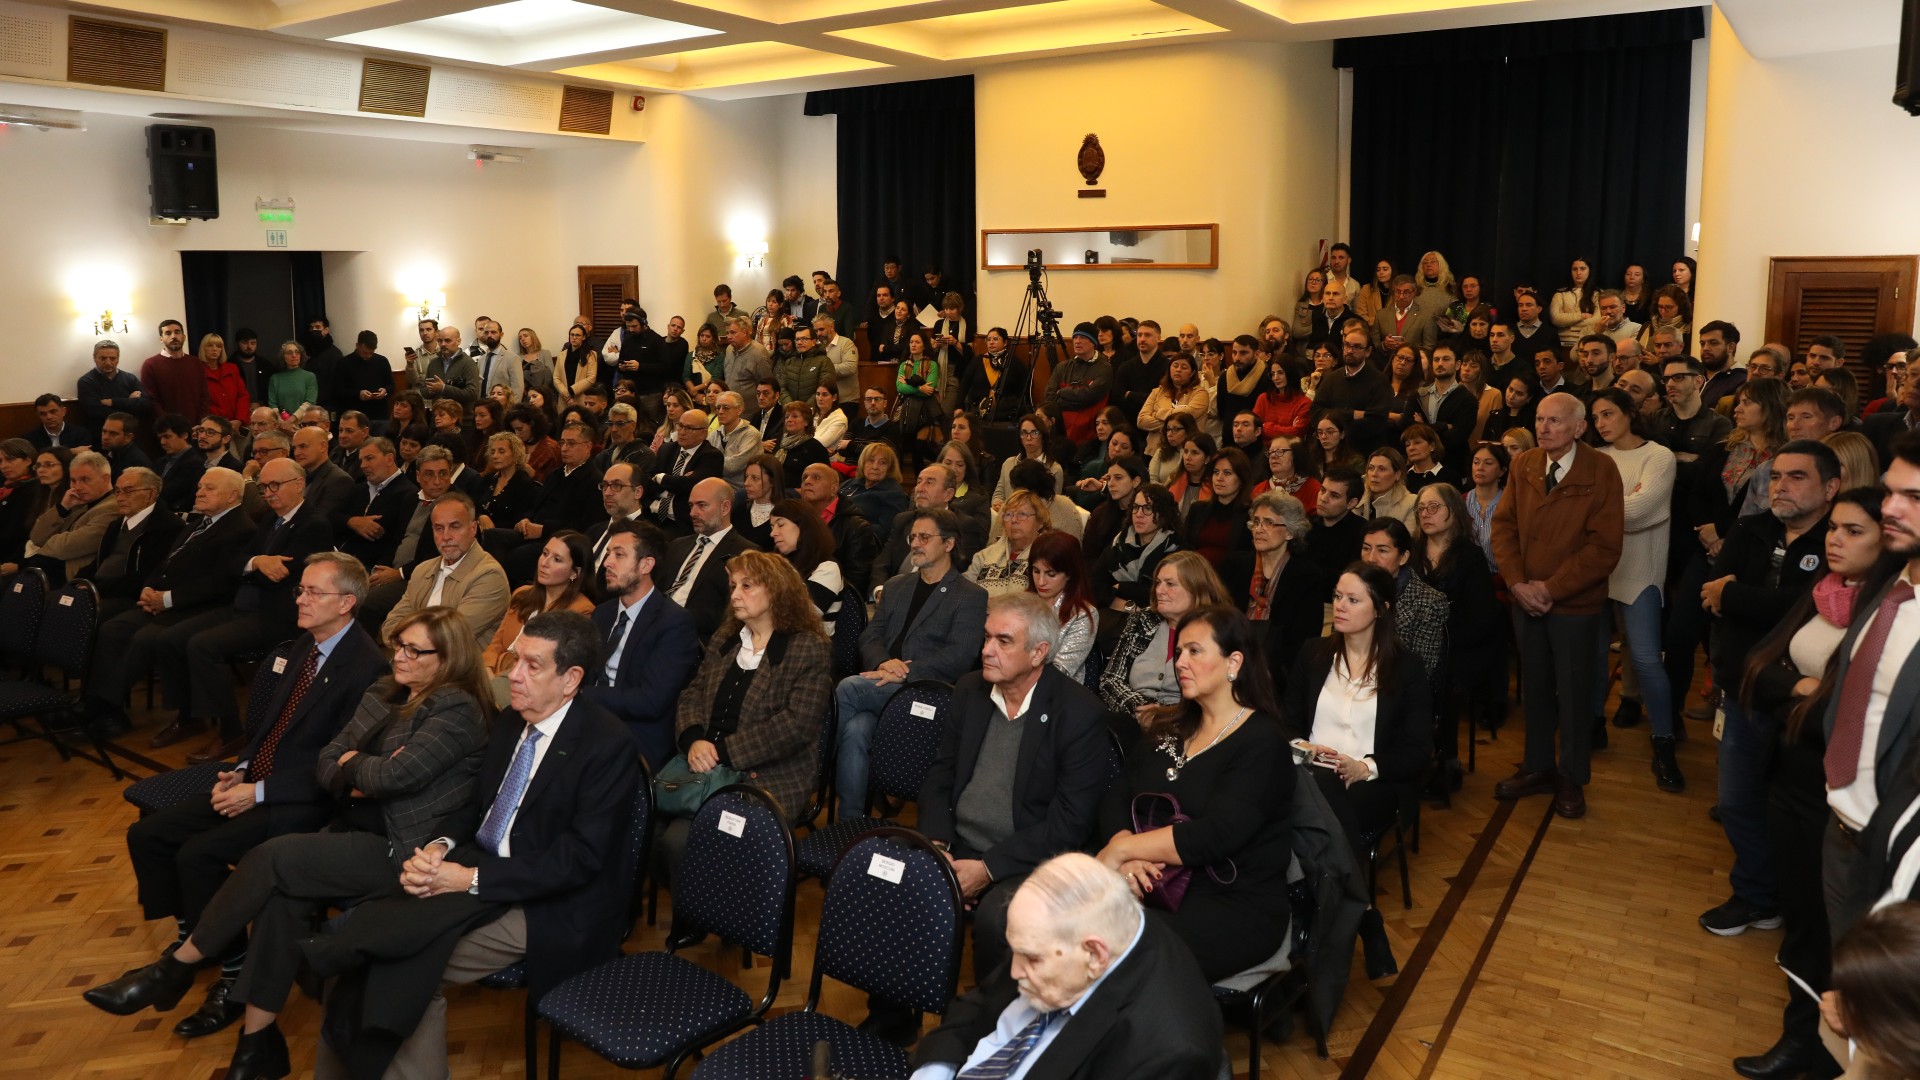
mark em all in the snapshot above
pixel 277 215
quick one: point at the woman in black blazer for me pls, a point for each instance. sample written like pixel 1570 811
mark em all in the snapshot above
pixel 1361 702
pixel 1293 588
pixel 511 489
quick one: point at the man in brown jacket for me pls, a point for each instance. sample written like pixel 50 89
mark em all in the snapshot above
pixel 1557 536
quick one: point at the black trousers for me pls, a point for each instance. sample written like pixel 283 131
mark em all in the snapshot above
pixel 276 888
pixel 1362 808
pixel 1840 859
pixel 133 642
pixel 215 694
pixel 1558 672
pixel 990 925
pixel 1797 819
pixel 181 854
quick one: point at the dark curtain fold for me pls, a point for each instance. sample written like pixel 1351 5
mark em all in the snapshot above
pixel 309 290
pixel 905 156
pixel 1513 149
pixel 203 280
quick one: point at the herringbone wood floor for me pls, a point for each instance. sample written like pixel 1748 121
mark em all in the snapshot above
pixel 1536 947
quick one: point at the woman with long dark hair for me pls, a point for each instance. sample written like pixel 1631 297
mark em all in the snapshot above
pixel 1124 572
pixel 1447 558
pixel 1332 448
pixel 1788 682
pixel 1218 524
pixel 579 364
pixel 1179 391
pixel 804 540
pixel 1218 755
pixel 1572 307
pixel 562 581
pixel 1057 573
pixel 1361 701
pixel 1283 408
pixel 1193 483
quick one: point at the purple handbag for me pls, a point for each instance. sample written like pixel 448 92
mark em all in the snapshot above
pixel 1162 810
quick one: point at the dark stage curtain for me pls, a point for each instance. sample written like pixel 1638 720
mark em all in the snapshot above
pixel 905 159
pixel 203 280
pixel 309 291
pixel 1512 150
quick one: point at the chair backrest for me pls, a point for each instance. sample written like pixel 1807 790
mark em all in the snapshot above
pixel 736 879
pixel 69 630
pixel 22 605
pixel 847 627
pixel 260 690
pixel 907 737
pixel 1095 666
pixel 633 858
pixel 892 922
pixel 822 766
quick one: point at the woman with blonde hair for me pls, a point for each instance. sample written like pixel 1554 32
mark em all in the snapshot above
pixel 1859 462
pixel 877 489
pixel 1001 567
pixel 1436 277
pixel 513 490
pixel 226 385
pixel 755 706
pixel 536 363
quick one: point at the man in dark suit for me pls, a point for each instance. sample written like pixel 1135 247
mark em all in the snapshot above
pixel 933 490
pixel 1023 760
pixel 927 625
pixel 180 855
pixel 853 537
pixel 54 429
pixel 263 613
pixel 1107 993
pixel 213 438
pixel 694 572
pixel 620 497
pixel 189 591
pixel 117 435
pixel 689 459
pixel 1889 424
pixel 623 424
pixel 134 542
pixel 534 864
pixel 355 429
pixel 568 499
pixel 641 685
pixel 373 520
pixel 180 465
pixel 328 487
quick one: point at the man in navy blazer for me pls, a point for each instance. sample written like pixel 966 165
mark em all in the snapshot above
pixel 652 647
pixel 544 882
pixel 928 625
pixel 180 855
pixel 684 462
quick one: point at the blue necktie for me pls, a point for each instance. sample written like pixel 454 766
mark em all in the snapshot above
pixel 494 830
pixel 1002 1063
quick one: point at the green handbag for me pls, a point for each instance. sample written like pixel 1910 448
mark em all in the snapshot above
pixel 678 791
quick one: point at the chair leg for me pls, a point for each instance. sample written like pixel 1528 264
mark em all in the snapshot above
pixel 533 1041
pixel 1258 1021
pixel 653 898
pixel 1400 848
pixel 553 1052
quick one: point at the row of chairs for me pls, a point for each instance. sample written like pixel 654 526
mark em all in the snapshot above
pixel 47 640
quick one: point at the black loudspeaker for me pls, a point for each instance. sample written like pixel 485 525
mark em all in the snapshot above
pixel 185 182
pixel 1906 76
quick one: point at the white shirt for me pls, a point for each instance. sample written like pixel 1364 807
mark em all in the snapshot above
pixel 616 648
pixel 831 429
pixel 132 522
pixel 1565 463
pixel 689 571
pixel 440 577
pixel 1856 802
pixel 548 729
pixel 1017 1015
pixel 1346 715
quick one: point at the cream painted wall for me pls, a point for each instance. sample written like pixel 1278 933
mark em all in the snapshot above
pixel 1264 115
pixel 1804 156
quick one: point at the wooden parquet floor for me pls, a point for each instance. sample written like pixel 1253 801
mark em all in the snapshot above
pixel 1536 947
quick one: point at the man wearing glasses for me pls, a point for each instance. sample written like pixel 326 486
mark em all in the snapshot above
pixel 263 610
pixel 213 436
pixel 134 542
pixel 687 461
pixel 623 422
pixel 620 494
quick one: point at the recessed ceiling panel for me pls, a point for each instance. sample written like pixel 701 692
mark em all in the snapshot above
pixel 725 65
pixel 1034 28
pixel 784 12
pixel 526 31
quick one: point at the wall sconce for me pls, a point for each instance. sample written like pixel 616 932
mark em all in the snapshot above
pixel 430 307
pixel 105 324
pixel 756 255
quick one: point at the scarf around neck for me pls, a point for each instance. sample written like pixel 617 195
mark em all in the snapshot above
pixel 1833 598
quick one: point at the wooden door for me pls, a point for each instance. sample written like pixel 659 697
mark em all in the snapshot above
pixel 1853 299
pixel 601 290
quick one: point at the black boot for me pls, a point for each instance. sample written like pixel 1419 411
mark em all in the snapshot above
pixel 1628 714
pixel 215 1014
pixel 1787 1059
pixel 261 1055
pixel 1373 938
pixel 1599 733
pixel 160 984
pixel 1666 767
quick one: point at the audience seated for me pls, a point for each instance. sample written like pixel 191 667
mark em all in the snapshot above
pixel 66 537
pixel 374 520
pixel 569 498
pixel 1001 567
pixel 927 625
pixel 693 573
pixel 561 582
pixel 1236 841
pixel 462 576
pixel 329 487
pixel 1140 678
pixel 652 644
pixel 934 489
pixel 690 459
pixel 853 542
pixel 798 535
pixel 1123 572
pixel 134 543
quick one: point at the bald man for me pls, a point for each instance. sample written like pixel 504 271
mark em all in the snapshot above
pixel 683 462
pixel 694 573
pixel 192 589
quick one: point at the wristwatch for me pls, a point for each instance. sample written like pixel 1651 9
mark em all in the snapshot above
pixel 473 887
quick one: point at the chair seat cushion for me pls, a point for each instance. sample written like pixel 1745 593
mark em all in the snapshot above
pixel 159 792
pixel 641 1009
pixel 20 698
pixel 511 977
pixel 783 1048
pixel 816 852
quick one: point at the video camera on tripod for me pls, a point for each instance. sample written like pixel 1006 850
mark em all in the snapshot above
pixel 1044 311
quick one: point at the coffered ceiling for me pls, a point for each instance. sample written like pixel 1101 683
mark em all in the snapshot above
pixel 740 48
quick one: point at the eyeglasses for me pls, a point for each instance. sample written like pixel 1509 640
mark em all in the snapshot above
pixel 411 652
pixel 1279 450
pixel 1264 523
pixel 1017 515
pixel 262 453
pixel 619 423
pixel 1678 376
pixel 1140 508
pixel 1424 509
pixel 302 591
pixel 272 487
pixel 692 427
pixel 614 485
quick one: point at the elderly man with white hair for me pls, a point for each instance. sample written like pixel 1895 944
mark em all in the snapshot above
pixel 1093 989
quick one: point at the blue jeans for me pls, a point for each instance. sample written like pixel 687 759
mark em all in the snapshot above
pixel 1746 743
pixel 859 702
pixel 1641 640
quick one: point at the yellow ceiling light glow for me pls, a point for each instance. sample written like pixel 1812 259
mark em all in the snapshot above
pixel 724 65
pixel 1034 28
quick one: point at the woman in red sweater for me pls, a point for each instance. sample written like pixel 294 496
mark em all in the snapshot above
pixel 1283 409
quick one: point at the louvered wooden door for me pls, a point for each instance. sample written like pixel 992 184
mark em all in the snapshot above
pixel 601 290
pixel 1853 299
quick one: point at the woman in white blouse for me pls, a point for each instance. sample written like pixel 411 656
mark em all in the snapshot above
pixel 1646 476
pixel 1361 701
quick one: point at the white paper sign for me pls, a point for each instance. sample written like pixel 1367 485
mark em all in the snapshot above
pixel 279 665
pixel 923 709
pixel 886 869
pixel 17 586
pixel 733 824
pixel 66 601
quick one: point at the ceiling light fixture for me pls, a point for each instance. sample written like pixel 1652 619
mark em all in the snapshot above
pixel 41 119
pixel 504 155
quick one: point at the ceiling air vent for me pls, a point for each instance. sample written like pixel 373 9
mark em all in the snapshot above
pixel 387 86
pixel 116 54
pixel 586 110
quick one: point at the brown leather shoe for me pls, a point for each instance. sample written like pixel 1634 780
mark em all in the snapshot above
pixel 217 749
pixel 1524 783
pixel 1570 801
pixel 180 729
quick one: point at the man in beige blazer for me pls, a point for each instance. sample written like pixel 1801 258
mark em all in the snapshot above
pixel 66 537
pixel 464 577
